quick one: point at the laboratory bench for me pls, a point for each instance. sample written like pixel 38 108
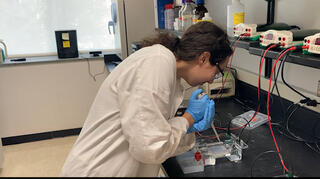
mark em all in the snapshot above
pixel 298 157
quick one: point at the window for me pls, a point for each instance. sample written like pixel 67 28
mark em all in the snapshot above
pixel 27 26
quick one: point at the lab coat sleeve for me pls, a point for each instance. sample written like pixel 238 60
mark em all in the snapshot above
pixel 186 143
pixel 144 115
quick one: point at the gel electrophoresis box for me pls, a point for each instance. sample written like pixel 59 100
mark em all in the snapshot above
pixel 244 118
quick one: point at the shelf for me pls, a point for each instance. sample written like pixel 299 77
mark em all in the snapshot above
pixel 243 43
pixel 299 58
pixel 312 60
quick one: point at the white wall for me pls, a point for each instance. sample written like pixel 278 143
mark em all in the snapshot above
pixel 46 97
pixel 305 14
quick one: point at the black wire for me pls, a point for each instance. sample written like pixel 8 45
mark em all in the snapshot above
pixel 282 77
pixel 295 27
pixel 89 70
pixel 261 154
pixel 286 130
pixel 284 81
pixel 315 150
pixel 258 101
pixel 276 85
pixel 281 63
pixel 287 123
pixel 259 86
pixel 239 137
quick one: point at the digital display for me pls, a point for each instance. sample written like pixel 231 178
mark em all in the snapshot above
pixel 317 42
pixel 269 36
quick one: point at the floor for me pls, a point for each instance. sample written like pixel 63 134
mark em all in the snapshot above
pixel 36 159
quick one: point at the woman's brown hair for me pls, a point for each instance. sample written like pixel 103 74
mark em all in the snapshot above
pixel 198 38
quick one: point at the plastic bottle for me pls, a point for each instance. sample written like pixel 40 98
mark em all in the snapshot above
pixel 176 10
pixel 169 16
pixel 235 15
pixel 165 16
pixel 199 11
pixel 180 16
pixel 194 17
pixel 207 17
pixel 176 24
pixel 187 14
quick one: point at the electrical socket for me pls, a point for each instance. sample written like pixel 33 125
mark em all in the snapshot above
pixel 318 93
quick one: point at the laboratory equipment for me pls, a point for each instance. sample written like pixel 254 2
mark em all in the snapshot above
pixel 227 90
pixel 253 31
pixel 187 15
pixel 169 16
pixel 199 11
pixel 160 6
pixel 284 37
pixel 207 17
pixel 180 15
pixel 246 30
pixel 274 37
pixel 204 153
pixel 197 107
pixel 244 118
pixel 188 162
pixel 235 15
pixel 67 45
pixel 187 92
pixel 313 44
pixel 230 147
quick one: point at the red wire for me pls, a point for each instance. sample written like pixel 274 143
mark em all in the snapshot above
pixel 223 82
pixel 268 99
pixel 258 108
pixel 261 64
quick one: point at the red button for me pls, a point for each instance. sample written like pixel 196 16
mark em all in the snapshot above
pixel 197 156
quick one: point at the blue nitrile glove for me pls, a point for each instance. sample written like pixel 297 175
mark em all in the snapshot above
pixel 205 123
pixel 196 107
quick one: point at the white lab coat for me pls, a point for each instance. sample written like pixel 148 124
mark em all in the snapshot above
pixel 131 129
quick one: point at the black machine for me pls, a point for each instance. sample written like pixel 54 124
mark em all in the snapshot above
pixel 67 45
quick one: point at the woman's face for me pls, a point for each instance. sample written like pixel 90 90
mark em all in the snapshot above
pixel 203 71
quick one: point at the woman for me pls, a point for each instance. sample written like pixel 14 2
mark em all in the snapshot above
pixel 131 127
